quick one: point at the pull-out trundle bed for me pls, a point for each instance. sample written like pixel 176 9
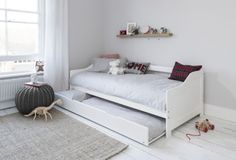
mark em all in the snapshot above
pixel 138 126
pixel 141 107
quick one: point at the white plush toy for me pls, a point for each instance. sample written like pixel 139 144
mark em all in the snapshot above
pixel 115 68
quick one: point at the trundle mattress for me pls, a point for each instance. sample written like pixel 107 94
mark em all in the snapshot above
pixel 155 125
pixel 148 89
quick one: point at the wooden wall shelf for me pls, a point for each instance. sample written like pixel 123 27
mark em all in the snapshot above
pixel 158 35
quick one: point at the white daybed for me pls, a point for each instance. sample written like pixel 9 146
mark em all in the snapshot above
pixel 182 102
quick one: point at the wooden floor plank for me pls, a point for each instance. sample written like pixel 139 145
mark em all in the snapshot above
pixel 138 154
pixel 175 148
pixel 222 152
pixel 215 137
pixel 220 126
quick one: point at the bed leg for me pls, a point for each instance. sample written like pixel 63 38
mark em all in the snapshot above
pixel 168 133
pixel 168 127
pixel 202 113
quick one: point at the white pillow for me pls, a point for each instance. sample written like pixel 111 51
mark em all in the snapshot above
pixel 102 64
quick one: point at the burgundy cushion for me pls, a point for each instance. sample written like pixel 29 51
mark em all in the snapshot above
pixel 180 72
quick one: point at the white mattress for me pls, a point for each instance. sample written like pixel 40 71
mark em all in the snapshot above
pixel 148 89
pixel 155 125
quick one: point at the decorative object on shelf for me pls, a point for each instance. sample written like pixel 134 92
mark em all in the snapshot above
pixel 123 32
pixel 34 78
pixel 39 66
pixel 130 28
pixel 148 30
pixel 145 29
pixel 134 31
pixel 154 31
pixel 44 110
pixel 32 96
pixel 157 35
pixel 163 30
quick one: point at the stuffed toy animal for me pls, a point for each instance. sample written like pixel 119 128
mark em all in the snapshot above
pixel 115 68
pixel 43 110
pixel 203 126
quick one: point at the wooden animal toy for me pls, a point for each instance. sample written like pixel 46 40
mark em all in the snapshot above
pixel 203 126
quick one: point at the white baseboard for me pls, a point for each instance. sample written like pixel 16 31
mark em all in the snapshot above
pixel 7 104
pixel 220 112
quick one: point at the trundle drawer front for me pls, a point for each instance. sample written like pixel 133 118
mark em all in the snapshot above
pixel 125 127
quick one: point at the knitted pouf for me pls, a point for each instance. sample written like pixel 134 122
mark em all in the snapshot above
pixel 31 97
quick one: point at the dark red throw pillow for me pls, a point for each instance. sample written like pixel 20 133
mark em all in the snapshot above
pixel 180 72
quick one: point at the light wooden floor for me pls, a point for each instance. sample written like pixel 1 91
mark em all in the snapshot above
pixel 219 144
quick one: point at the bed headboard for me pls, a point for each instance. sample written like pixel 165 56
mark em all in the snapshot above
pixel 160 69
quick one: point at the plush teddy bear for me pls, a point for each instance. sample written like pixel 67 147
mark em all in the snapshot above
pixel 115 68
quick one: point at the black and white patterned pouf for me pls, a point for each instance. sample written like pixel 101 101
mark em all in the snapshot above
pixel 33 96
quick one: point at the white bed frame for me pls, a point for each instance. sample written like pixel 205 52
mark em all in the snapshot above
pixel 182 103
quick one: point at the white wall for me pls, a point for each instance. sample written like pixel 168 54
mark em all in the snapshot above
pixel 85 31
pixel 204 33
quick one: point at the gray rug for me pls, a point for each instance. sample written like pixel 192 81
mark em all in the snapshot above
pixel 62 138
